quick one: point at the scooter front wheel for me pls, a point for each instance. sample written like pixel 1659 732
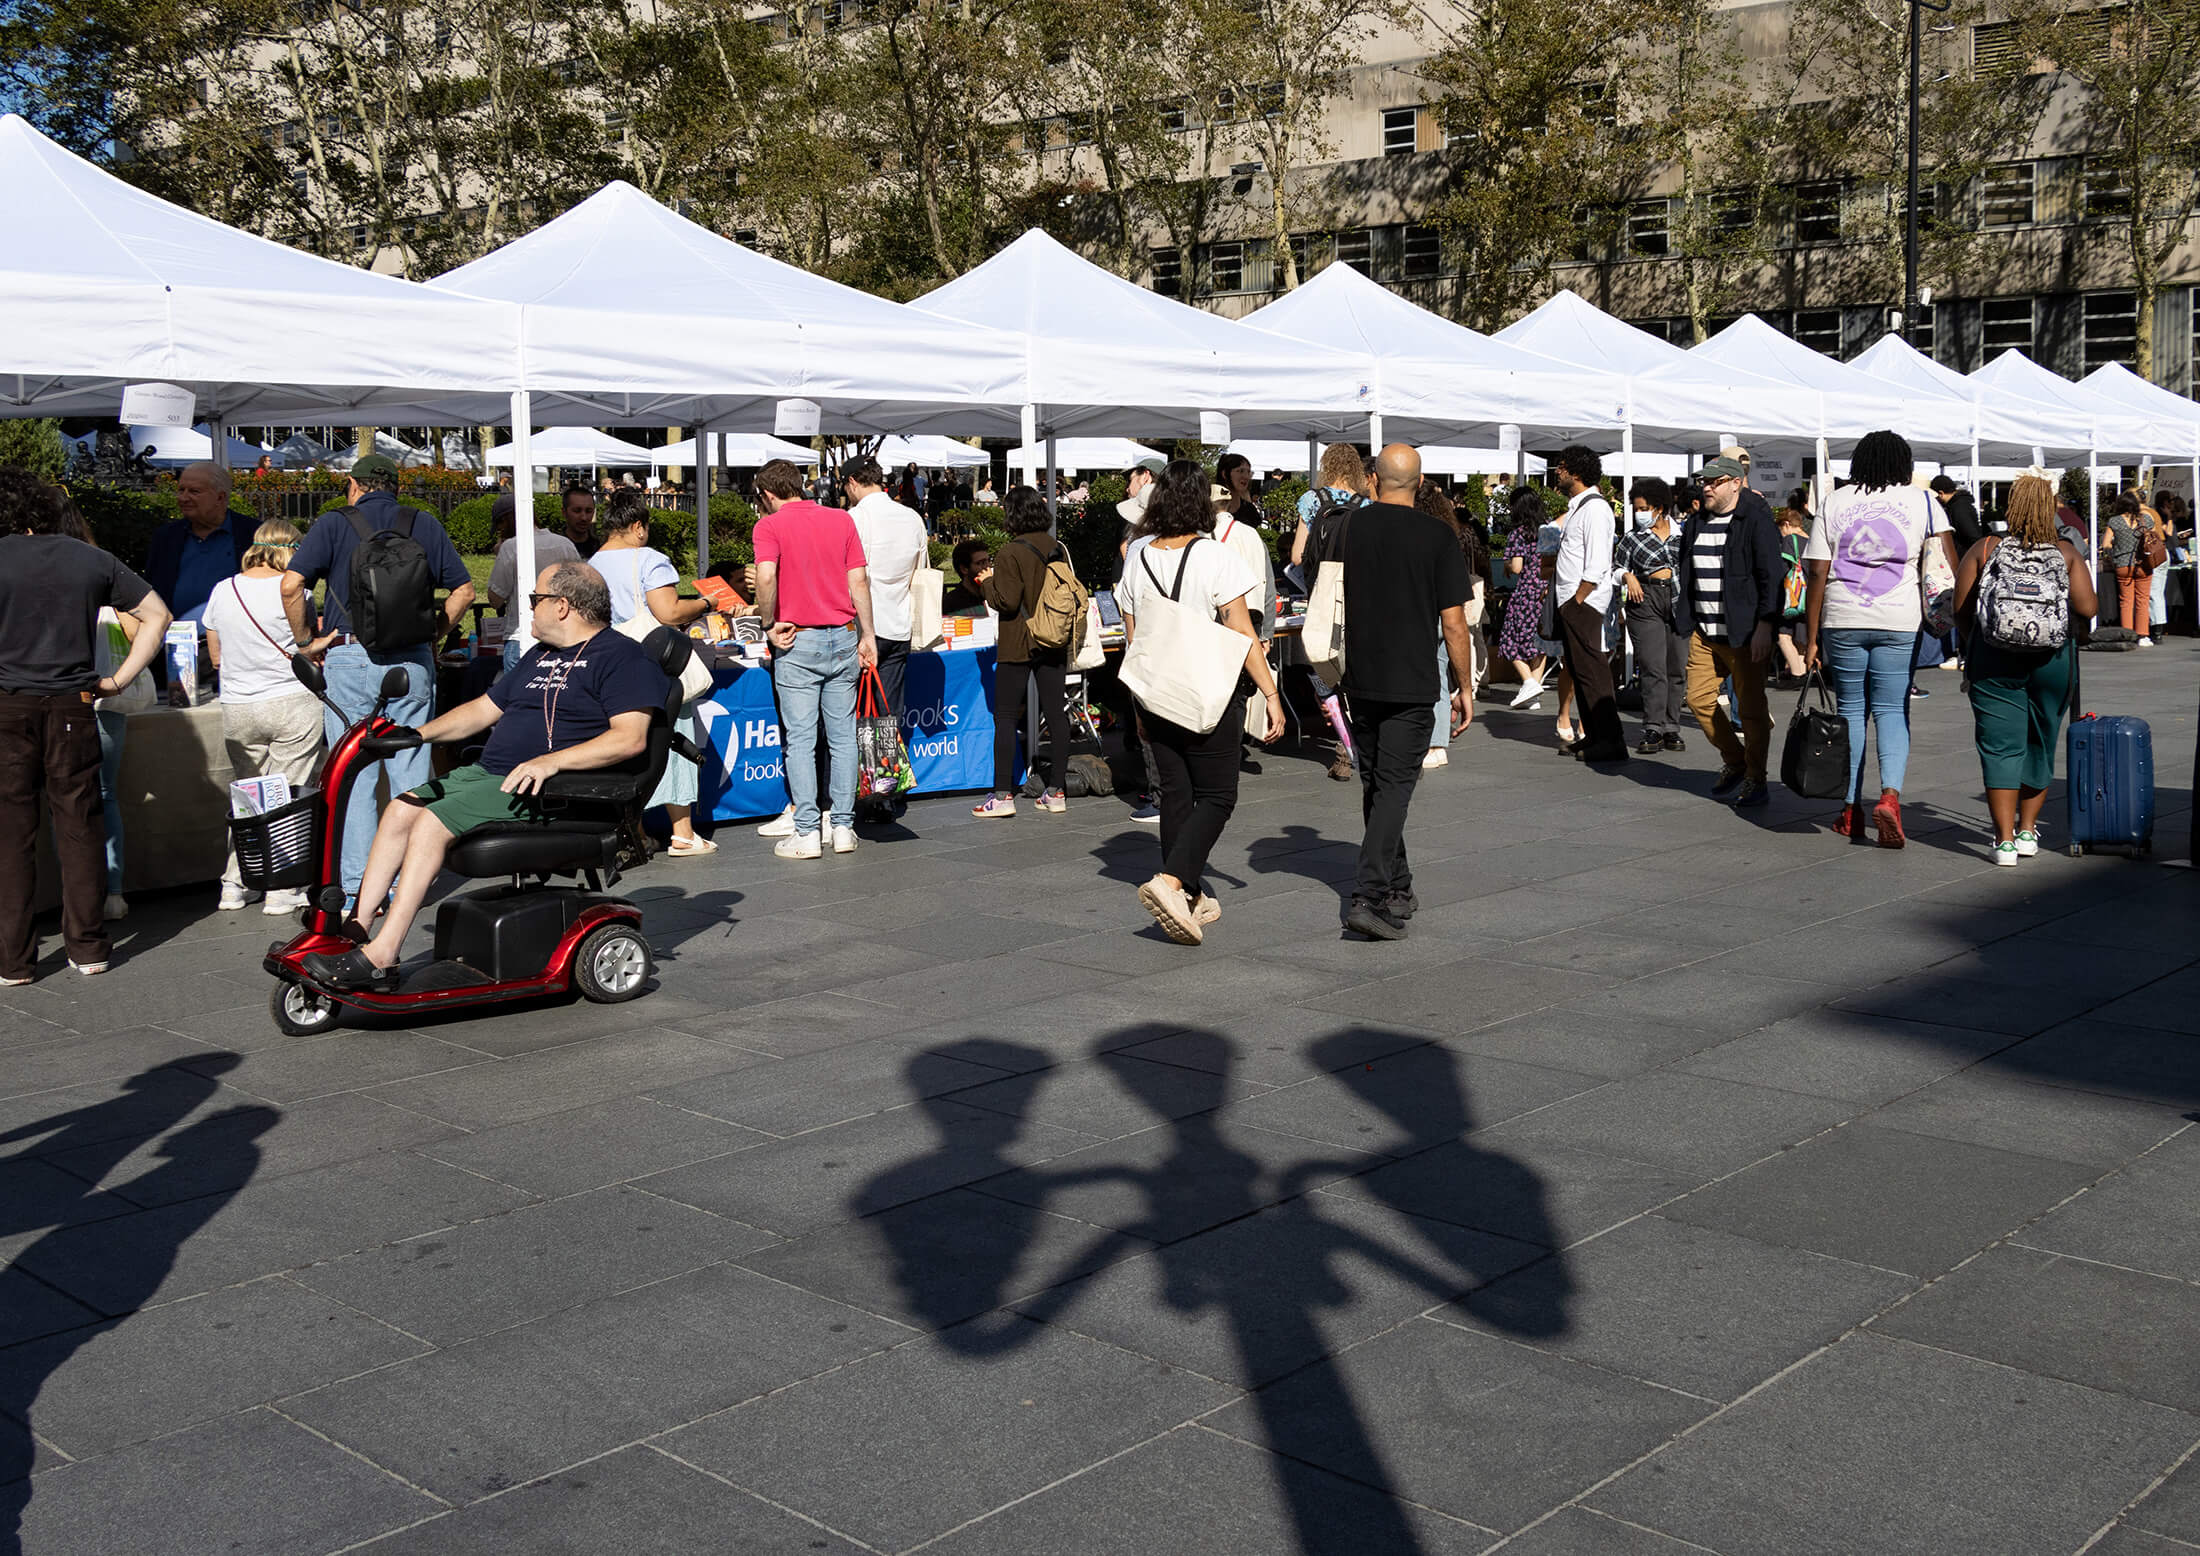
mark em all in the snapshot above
pixel 301 1012
pixel 612 964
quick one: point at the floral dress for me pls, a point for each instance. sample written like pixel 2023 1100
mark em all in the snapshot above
pixel 1518 637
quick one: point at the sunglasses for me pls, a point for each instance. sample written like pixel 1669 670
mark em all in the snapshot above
pixel 535 600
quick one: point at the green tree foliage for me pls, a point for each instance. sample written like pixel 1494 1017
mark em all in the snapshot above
pixel 33 445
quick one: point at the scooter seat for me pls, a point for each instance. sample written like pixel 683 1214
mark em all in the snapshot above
pixel 533 848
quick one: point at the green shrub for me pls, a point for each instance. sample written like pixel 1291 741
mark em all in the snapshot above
pixel 34 445
pixel 1281 502
pixel 1109 488
pixel 123 521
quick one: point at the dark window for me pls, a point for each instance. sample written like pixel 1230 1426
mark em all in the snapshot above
pixel 1401 131
pixel 2111 328
pixel 1310 251
pixel 2107 191
pixel 1225 267
pixel 1226 110
pixel 1921 329
pixel 2005 195
pixel 1599 103
pixel 1268 99
pixel 1650 227
pixel 1356 247
pixel 2005 325
pixel 1733 211
pixel 1174 116
pixel 1997 49
pixel 1168 273
pixel 1819 329
pixel 1424 253
pixel 1818 212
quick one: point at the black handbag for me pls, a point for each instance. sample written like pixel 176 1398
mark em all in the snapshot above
pixel 1815 763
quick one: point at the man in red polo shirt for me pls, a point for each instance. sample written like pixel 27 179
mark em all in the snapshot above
pixel 814 593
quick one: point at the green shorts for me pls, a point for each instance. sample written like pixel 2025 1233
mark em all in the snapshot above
pixel 468 797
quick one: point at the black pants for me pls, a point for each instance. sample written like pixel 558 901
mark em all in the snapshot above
pixel 51 745
pixel 893 670
pixel 1391 739
pixel 1009 681
pixel 1198 789
pixel 1582 627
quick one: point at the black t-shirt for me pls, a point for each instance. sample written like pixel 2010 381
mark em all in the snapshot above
pixel 555 698
pixel 1401 567
pixel 51 589
pixel 962 600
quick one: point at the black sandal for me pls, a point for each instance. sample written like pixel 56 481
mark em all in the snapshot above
pixel 351 970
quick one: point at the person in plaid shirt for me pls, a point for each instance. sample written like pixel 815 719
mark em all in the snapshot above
pixel 1648 557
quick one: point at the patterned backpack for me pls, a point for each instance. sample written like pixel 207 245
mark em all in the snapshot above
pixel 2024 597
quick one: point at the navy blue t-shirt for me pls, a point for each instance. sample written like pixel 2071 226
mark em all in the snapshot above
pixel 555 698
pixel 326 553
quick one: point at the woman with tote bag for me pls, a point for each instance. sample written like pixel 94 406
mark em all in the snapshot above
pixel 1188 637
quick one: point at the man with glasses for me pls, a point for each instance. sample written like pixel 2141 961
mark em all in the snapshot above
pixel 1728 605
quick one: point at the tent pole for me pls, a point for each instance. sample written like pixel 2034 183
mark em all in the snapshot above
pixel 1052 480
pixel 1031 448
pixel 2093 527
pixel 706 466
pixel 523 513
pixel 1375 432
pixel 1314 464
pixel 1627 476
pixel 1825 459
pixel 218 437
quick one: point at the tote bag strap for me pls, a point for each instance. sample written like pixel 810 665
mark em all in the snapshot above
pixel 1173 593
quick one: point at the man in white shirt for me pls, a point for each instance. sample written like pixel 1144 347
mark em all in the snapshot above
pixel 894 547
pixel 551 548
pixel 1584 587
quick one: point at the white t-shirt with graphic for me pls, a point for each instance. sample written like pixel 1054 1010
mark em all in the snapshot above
pixel 1873 538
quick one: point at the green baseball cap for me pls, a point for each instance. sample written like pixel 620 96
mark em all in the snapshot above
pixel 375 467
pixel 1714 469
pixel 1149 464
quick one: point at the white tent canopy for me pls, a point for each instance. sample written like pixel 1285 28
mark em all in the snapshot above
pixel 1435 379
pixel 1436 459
pixel 2013 428
pixel 2114 429
pixel 928 451
pixel 103 285
pixel 1107 356
pixel 562 446
pixel 171 448
pixel 1074 454
pixel 299 452
pixel 2116 382
pixel 1852 402
pixel 732 451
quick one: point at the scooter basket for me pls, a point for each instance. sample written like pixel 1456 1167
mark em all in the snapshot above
pixel 280 849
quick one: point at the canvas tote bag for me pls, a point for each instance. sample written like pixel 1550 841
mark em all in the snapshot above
pixel 1182 664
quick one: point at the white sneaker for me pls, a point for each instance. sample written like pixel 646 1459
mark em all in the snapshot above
pixel 844 840
pixel 235 899
pixel 2006 853
pixel 1437 757
pixel 2028 844
pixel 2146 642
pixel 280 902
pixel 783 827
pixel 801 845
pixel 114 907
pixel 1529 691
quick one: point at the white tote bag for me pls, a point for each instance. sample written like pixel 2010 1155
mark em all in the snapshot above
pixel 1182 665
pixel 925 585
pixel 696 678
pixel 1090 655
pixel 1321 635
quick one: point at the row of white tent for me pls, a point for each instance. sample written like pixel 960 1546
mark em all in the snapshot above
pixel 622 313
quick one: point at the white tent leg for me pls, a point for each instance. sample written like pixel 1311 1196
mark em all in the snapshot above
pixel 706 466
pixel 1314 464
pixel 218 435
pixel 523 516
pixel 1031 441
pixel 2093 528
pixel 1974 468
pixel 1053 480
pixel 1825 459
pixel 1627 476
pixel 1375 432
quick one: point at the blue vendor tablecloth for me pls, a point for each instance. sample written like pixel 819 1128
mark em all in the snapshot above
pixel 947 718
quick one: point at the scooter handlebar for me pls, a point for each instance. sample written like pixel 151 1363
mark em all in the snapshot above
pixel 391 742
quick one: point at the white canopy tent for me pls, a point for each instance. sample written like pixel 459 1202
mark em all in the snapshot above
pixel 1436 458
pixel 103 285
pixel 562 446
pixel 2115 429
pixel 1435 379
pixel 2114 381
pixel 171 448
pixel 929 451
pixel 1075 454
pixel 2013 428
pixel 1851 402
pixel 299 452
pixel 734 451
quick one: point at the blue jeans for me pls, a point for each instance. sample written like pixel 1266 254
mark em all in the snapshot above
pixel 510 656
pixel 354 681
pixel 111 728
pixel 816 681
pixel 1871 676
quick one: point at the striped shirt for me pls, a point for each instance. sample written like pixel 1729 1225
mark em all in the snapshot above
pixel 1640 552
pixel 1707 577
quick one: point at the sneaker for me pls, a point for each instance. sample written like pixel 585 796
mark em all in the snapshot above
pixel 1919 691
pixel 1146 813
pixel 1729 779
pixel 13 983
pixel 90 969
pixel 1751 795
pixel 844 840
pixel 2146 642
pixel 1054 802
pixel 280 902
pixel 1887 818
pixel 1369 921
pixel 1651 745
pixel 1850 823
pixel 802 845
pixel 235 899
pixel 1206 910
pixel 2028 843
pixel 1529 692
pixel 1170 910
pixel 993 806
pixel 114 907
pixel 2006 853
pixel 1437 757
pixel 1341 769
pixel 781 826
pixel 1673 742
pixel 1402 907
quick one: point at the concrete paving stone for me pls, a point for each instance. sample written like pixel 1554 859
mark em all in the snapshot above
pixel 35 1195
pixel 1278 1047
pixel 509 1268
pixel 1132 946
pixel 474 1419
pixel 319 1067
pixel 1563 1039
pixel 110 1056
pixel 2126 1061
pixel 1985 1107
pixel 1548 1195
pixel 937 1261
pixel 1936 999
pixel 177 1365
pixel 863 1166
pixel 1257 1299
pixel 986 983
pixel 1832 1053
pixel 262 1229
pixel 1860 1194
pixel 252 1484
pixel 514 1090
pixel 245 1145
pixel 954 935
pixel 2040 961
pixel 2041 1312
pixel 2123 1540
pixel 1211 987
pixel 855 1080
pixel 1111 1094
pixel 1580 1531
pixel 1409 1101
pixel 1599 949
pixel 593 1147
pixel 2172 1508
pixel 2170 1004
pixel 1808 895
pixel 107 1004
pixel 1486 1431
pixel 1690 1123
pixel 513 1031
pixel 1520 912
pixel 2145 1217
pixel 981 1415
pixel 634 1500
pixel 116 1115
pixel 1469 994
pixel 30 1308
pixel 1196 1490
pixel 803 1023
pixel 1705 1312
pixel 1720 1002
pixel 1878 1446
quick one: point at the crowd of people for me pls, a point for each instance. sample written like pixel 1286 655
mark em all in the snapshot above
pixel 1718 594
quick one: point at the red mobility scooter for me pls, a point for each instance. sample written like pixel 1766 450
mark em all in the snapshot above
pixel 524 939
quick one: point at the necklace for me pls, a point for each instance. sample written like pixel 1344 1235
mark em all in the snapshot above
pixel 556 689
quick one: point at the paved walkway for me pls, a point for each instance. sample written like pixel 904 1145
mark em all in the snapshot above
pixel 1689 1181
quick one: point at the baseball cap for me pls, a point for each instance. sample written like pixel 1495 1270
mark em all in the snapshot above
pixel 375 467
pixel 1151 464
pixel 1714 469
pixel 505 507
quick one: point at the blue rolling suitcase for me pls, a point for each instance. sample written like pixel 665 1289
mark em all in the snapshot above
pixel 2111 785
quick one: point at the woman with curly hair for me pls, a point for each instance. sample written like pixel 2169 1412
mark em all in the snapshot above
pixel 1520 638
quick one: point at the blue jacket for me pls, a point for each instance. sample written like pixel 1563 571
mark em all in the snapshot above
pixel 1755 570
pixel 164 556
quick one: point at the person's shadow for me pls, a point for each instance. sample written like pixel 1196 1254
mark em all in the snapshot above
pixel 139 1249
pixel 1270 1296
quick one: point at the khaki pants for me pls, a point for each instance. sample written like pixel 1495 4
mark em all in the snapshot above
pixel 278 735
pixel 1710 663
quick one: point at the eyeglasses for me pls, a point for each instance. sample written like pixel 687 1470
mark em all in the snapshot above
pixel 535 600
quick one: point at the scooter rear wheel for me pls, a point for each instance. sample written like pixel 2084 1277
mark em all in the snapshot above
pixel 300 1012
pixel 612 964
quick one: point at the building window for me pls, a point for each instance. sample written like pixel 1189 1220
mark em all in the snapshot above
pixel 2006 325
pixel 1310 251
pixel 1650 227
pixel 1818 212
pixel 745 236
pixel 1921 329
pixel 1424 253
pixel 1733 211
pixel 1175 117
pixel 2111 328
pixel 1225 267
pixel 1226 109
pixel 1268 99
pixel 2107 191
pixel 1819 329
pixel 1168 273
pixel 1997 49
pixel 1401 131
pixel 1081 128
pixel 2005 195
pixel 1599 103
pixel 1356 248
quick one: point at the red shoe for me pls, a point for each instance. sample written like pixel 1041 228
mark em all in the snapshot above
pixel 1887 817
pixel 1850 823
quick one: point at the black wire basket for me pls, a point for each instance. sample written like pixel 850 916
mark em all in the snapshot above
pixel 279 850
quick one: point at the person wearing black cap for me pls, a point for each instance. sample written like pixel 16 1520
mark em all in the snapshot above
pixel 550 547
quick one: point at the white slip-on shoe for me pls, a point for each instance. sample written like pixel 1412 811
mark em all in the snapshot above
pixel 1529 691
pixel 844 840
pixel 780 826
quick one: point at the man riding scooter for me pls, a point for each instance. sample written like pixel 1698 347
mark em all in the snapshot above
pixel 580 700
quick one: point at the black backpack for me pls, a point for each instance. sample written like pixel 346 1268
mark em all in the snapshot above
pixel 392 598
pixel 1325 530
